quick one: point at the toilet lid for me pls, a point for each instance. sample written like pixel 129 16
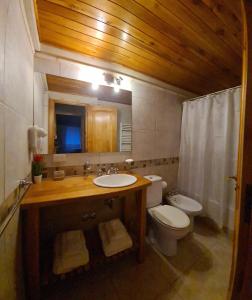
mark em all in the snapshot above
pixel 185 203
pixel 171 216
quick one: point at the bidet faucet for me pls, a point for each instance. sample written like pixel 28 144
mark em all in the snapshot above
pixel 172 193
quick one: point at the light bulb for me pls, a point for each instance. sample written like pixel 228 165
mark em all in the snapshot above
pixel 95 86
pixel 116 88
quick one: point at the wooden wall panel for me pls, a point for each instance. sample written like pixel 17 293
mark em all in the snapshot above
pixel 195 45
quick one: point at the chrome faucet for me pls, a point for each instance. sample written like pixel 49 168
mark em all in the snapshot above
pixel 112 170
pixel 101 171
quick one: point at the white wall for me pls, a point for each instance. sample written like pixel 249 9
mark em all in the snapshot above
pixel 156 122
pixel 39 95
pixel 41 108
pixel 16 95
pixel 16 115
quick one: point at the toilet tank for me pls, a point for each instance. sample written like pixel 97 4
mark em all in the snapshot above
pixel 154 191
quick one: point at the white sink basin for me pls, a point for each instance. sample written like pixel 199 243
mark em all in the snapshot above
pixel 115 180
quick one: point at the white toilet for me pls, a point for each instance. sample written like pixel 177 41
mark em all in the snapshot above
pixel 188 205
pixel 167 223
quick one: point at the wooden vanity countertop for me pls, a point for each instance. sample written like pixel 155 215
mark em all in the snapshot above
pixel 50 192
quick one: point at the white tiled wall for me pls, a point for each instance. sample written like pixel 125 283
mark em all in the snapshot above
pixel 3 17
pixel 18 64
pixel 39 94
pixel 16 115
pixel 11 283
pixel 156 122
pixel 17 94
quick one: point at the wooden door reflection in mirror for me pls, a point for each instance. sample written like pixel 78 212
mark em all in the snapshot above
pixel 82 128
pixel 101 129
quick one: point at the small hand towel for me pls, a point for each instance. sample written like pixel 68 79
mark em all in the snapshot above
pixel 115 229
pixel 117 242
pixel 70 252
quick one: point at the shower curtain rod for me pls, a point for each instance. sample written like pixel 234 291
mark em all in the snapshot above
pixel 235 87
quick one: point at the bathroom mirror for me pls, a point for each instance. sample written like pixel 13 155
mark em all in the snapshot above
pixel 83 117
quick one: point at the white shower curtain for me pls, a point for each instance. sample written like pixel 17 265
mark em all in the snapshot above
pixel 208 153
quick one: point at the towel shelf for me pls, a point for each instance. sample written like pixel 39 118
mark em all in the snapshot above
pixel 97 258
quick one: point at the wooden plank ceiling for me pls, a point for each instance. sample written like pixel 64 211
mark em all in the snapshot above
pixel 192 44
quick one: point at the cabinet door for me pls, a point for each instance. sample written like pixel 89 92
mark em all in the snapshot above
pixel 101 129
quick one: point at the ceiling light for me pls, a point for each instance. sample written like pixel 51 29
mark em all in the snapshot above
pixel 124 36
pixel 100 25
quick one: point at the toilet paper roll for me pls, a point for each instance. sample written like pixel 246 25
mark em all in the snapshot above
pixel 164 185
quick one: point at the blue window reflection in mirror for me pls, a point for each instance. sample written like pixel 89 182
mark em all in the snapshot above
pixel 70 128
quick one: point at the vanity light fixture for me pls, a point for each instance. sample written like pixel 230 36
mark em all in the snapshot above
pixel 109 78
pixel 113 80
pixel 117 82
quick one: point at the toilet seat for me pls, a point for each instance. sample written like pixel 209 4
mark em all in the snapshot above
pixel 170 216
pixel 188 205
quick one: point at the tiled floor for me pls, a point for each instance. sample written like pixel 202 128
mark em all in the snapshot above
pixel 200 271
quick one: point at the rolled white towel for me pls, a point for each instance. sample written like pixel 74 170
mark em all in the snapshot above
pixel 115 229
pixel 110 244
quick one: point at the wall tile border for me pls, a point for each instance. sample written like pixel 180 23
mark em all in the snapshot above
pixel 123 166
